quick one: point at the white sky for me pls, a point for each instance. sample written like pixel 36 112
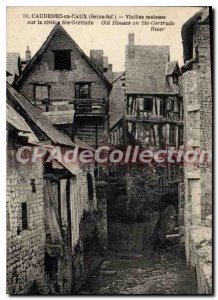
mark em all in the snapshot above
pixel 112 39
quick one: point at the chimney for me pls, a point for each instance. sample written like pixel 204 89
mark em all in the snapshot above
pixel 28 54
pixel 105 63
pixel 109 73
pixel 131 39
pixel 97 58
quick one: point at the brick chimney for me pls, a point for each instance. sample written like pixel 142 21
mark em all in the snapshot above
pixel 28 54
pixel 109 73
pixel 131 39
pixel 105 63
pixel 97 58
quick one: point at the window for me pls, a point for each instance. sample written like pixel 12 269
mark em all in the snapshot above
pixel 172 138
pixel 41 92
pixel 24 223
pixel 174 173
pixel 82 90
pixel 180 136
pixel 172 105
pixel 175 79
pixel 162 107
pixel 148 104
pixel 62 60
pixel 90 186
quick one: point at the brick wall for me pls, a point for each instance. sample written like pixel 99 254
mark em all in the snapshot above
pixel 25 248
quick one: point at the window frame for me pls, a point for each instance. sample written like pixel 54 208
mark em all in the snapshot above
pixel 82 84
pixel 172 131
pixel 41 85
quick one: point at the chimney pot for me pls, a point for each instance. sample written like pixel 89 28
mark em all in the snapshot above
pixel 28 54
pixel 97 58
pixel 131 39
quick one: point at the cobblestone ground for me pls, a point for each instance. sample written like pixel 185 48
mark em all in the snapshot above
pixel 155 273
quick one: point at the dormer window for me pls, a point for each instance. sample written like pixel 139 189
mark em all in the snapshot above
pixel 62 60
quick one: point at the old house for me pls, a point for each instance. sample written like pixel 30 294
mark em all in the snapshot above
pixel 197 97
pixel 152 119
pixel 53 215
pixel 69 86
pixel 13 66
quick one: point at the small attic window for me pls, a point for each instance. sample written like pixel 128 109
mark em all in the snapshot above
pixel 62 60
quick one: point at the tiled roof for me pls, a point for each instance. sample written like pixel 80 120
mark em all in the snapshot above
pixel 145 69
pixel 36 116
pixel 116 76
pixel 172 67
pixel 12 65
pixel 15 119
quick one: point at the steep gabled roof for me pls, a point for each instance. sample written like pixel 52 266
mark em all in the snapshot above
pixel 187 32
pixel 145 69
pixel 12 66
pixel 117 75
pixel 36 58
pixel 16 120
pixel 36 116
pixel 172 67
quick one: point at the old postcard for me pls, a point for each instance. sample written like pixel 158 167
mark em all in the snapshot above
pixel 109 150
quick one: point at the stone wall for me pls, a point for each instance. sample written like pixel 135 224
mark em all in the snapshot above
pixel 116 102
pixel 62 87
pixel 25 248
pixel 197 98
pixel 62 82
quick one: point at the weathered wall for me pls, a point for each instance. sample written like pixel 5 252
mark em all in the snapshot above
pixel 116 102
pixel 25 249
pixel 62 82
pixel 198 177
pixel 62 86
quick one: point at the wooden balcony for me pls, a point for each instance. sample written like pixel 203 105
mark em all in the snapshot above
pixel 90 107
pixel 82 107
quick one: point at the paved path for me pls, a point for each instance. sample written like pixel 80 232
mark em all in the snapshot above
pixel 156 273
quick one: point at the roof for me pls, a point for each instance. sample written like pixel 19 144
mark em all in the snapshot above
pixel 201 17
pixel 60 117
pixel 116 76
pixel 12 65
pixel 16 120
pixel 36 58
pixel 172 67
pixel 35 115
pixel 145 69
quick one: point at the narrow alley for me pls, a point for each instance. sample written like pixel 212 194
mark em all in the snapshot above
pixel 162 272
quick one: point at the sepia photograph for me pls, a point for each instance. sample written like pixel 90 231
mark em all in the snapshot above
pixel 109 121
